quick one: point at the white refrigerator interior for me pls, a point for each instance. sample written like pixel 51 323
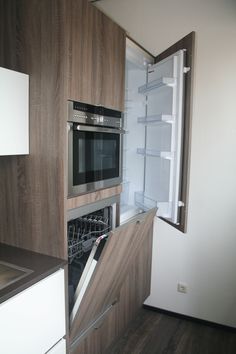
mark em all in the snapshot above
pixel 59 348
pixel 153 139
pixel 14 113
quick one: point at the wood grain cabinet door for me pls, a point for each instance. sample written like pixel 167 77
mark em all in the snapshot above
pixel 112 64
pixel 84 60
pixel 96 56
pixel 116 260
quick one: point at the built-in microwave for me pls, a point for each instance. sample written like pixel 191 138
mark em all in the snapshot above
pixel 94 147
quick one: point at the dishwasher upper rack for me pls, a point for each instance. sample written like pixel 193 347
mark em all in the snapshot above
pixel 83 232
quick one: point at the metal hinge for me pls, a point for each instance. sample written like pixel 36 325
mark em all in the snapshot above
pixel 180 203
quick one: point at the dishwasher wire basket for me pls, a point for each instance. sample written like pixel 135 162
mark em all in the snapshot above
pixel 83 232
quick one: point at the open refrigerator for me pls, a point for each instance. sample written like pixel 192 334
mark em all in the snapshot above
pixel 153 121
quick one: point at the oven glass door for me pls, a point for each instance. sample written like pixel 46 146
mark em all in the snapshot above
pixel 96 156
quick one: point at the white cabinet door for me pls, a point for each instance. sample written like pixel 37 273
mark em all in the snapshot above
pixel 14 113
pixel 34 320
pixel 59 348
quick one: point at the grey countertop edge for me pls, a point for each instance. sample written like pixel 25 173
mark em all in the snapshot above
pixel 41 266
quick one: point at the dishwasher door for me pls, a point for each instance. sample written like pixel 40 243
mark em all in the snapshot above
pixel 102 290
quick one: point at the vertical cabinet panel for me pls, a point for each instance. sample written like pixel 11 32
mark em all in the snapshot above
pixel 96 57
pixel 113 64
pixel 84 22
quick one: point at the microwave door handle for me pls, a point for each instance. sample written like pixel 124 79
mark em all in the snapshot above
pixel 99 129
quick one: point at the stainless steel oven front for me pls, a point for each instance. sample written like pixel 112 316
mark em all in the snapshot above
pixel 94 148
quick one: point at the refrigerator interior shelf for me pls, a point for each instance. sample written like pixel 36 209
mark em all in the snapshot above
pixel 157 119
pixel 144 202
pixel 131 106
pixel 127 212
pixel 155 153
pixel 151 86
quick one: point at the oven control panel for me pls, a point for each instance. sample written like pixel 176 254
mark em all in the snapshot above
pixel 84 113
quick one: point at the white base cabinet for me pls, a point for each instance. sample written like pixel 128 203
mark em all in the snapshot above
pixel 34 320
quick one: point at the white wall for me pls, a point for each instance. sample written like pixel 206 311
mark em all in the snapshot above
pixel 205 257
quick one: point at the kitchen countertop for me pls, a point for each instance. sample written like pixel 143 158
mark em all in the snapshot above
pixel 39 265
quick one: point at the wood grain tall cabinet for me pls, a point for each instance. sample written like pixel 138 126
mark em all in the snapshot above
pixel 71 51
pixel 97 57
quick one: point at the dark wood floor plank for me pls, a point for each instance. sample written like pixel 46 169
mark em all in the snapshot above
pixel 155 333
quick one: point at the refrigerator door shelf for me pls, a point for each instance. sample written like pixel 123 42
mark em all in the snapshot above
pixel 144 202
pixel 157 119
pixel 155 153
pixel 153 86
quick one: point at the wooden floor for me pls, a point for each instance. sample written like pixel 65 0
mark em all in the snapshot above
pixel 156 333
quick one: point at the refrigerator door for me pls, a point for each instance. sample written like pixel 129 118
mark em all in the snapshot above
pixel 103 288
pixel 163 130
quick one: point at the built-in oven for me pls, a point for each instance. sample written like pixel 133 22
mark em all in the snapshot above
pixel 94 147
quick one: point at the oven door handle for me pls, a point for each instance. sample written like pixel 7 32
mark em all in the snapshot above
pixel 99 129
